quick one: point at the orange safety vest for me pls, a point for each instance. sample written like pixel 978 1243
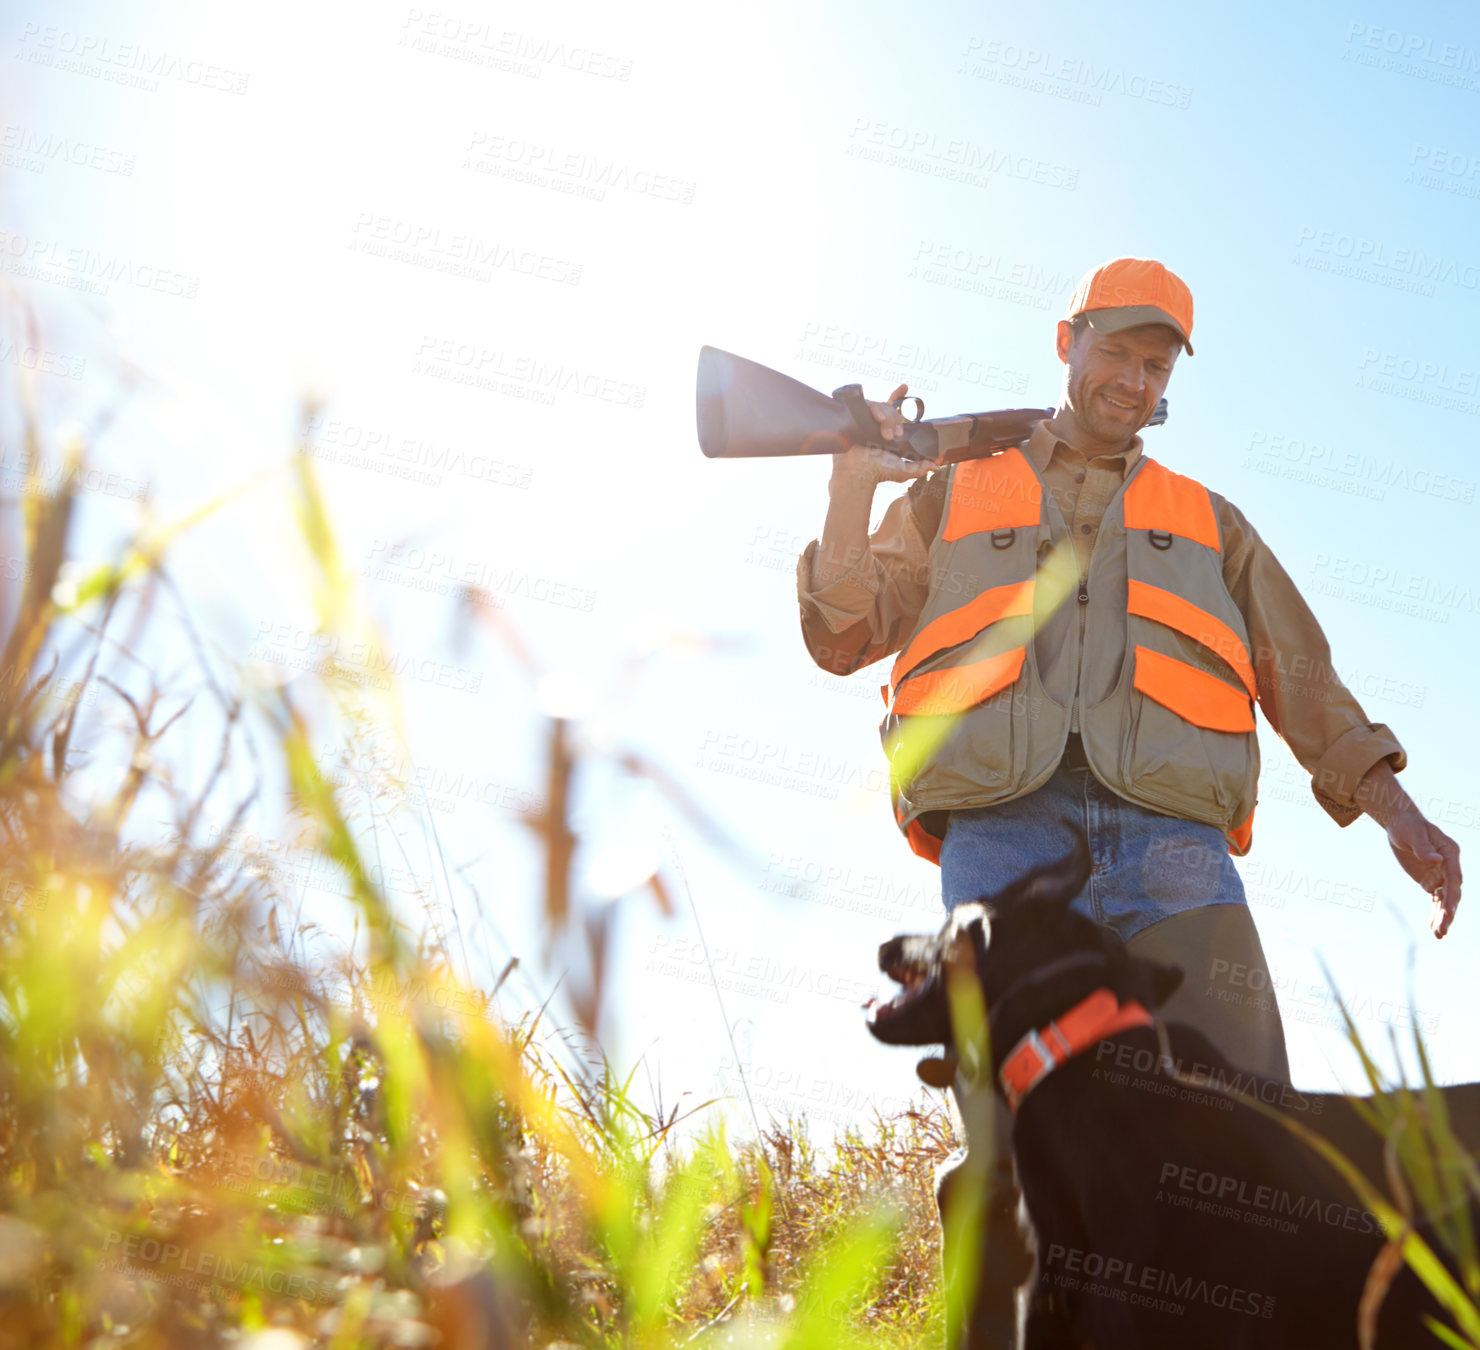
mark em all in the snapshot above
pixel 980 696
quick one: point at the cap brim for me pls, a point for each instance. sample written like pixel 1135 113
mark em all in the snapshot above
pixel 1134 316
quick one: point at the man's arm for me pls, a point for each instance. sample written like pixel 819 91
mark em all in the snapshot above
pixel 861 595
pixel 1352 762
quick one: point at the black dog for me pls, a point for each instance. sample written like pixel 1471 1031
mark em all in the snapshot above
pixel 1166 1215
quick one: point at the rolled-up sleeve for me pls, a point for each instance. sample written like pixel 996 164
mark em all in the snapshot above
pixel 867 613
pixel 1304 699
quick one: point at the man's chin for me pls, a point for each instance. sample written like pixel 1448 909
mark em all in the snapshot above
pixel 1105 430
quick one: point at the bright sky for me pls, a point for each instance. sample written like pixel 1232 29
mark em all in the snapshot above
pixel 493 240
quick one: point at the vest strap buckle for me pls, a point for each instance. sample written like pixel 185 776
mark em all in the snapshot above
pixel 1003 538
pixel 1161 539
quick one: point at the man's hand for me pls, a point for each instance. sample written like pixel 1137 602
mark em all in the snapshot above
pixel 1431 858
pixel 866 466
pixel 1422 849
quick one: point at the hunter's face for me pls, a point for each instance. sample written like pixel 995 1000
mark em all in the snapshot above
pixel 1115 380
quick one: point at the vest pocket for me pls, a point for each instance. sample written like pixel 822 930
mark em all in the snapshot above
pixel 967 741
pixel 1188 742
pixel 1193 694
pixel 958 688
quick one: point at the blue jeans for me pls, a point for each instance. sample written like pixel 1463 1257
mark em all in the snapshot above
pixel 1146 866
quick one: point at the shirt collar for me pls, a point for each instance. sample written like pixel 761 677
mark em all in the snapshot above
pixel 1042 444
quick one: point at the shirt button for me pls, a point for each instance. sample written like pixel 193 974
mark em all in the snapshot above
pixel 1084 529
pixel 1079 478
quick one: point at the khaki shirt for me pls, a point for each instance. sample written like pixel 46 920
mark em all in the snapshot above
pixel 871 610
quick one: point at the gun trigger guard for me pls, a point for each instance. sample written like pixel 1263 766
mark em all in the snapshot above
pixel 919 406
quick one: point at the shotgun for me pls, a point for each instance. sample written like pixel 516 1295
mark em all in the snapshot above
pixel 749 411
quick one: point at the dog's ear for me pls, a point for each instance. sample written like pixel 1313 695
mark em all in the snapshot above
pixel 937 1071
pixel 1055 885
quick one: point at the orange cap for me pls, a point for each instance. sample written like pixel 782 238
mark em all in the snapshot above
pixel 1129 291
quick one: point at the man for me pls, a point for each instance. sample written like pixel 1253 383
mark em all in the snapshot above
pixel 1083 633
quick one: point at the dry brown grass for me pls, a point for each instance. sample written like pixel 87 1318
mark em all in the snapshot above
pixel 219 1121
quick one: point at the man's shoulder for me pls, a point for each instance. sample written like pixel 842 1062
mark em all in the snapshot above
pixel 921 505
pixel 1221 503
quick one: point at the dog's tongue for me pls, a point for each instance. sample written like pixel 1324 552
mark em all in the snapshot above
pixel 875 1009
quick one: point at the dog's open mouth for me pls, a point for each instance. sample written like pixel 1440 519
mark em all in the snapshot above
pixel 918 976
pixel 915 983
